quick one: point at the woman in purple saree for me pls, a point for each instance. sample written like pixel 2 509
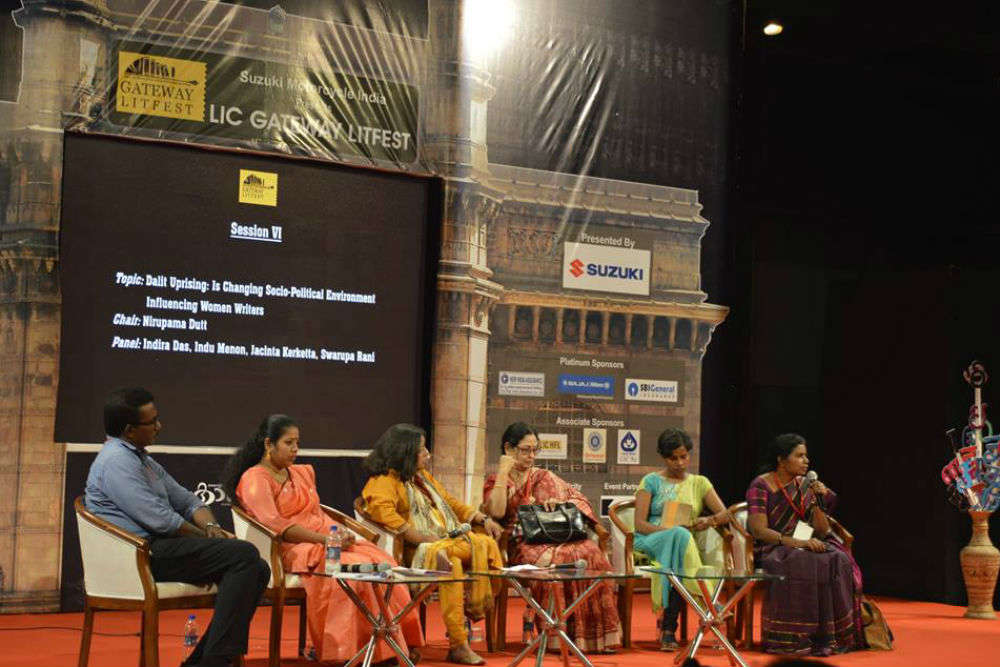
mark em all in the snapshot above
pixel 816 609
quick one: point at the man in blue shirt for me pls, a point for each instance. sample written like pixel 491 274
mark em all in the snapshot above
pixel 131 490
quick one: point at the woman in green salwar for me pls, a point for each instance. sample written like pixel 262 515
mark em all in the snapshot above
pixel 686 548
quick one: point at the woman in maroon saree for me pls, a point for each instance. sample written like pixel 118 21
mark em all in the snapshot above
pixel 816 609
pixel 595 626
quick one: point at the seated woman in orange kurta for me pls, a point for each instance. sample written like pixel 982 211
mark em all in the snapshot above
pixel 282 496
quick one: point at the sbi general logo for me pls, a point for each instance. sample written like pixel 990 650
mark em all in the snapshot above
pixel 633 388
pixel 504 378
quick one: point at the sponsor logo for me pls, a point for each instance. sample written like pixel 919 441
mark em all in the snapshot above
pixel 209 494
pixel 605 269
pixel 660 391
pixel 258 187
pixel 595 445
pixel 552 446
pixel 511 383
pixel 628 446
pixel 589 385
pixel 151 85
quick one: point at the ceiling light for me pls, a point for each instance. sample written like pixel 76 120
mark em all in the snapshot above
pixel 773 28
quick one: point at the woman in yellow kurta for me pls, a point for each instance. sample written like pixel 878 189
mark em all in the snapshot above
pixel 262 477
pixel 402 495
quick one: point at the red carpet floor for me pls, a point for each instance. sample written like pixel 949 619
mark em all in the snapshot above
pixel 927 634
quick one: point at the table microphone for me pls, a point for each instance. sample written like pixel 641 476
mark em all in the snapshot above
pixel 365 567
pixel 578 565
pixel 357 567
pixel 461 530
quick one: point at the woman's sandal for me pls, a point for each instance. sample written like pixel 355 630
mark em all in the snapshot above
pixel 471 659
pixel 414 656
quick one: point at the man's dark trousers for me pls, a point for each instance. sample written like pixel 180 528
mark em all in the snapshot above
pixel 239 572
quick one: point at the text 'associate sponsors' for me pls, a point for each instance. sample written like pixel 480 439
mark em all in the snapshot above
pixel 658 391
pixel 520 383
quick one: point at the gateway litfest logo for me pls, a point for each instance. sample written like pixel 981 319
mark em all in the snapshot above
pixel 258 187
pixel 153 85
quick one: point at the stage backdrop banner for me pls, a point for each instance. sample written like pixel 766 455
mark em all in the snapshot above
pixel 234 286
pixel 221 96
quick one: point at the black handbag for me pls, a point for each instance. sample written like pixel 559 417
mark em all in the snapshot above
pixel 558 526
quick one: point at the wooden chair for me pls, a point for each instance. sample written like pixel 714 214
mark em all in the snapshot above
pixel 117 576
pixel 285 588
pixel 393 543
pixel 743 563
pixel 622 515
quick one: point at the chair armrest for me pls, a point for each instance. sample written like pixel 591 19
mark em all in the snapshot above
pixel 842 533
pixel 352 524
pixel 603 538
pixel 108 527
pixel 115 561
pixel 267 541
pixel 393 537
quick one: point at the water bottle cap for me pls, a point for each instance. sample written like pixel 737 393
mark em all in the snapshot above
pixel 191 617
pixel 334 527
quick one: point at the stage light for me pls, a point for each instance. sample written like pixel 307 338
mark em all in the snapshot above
pixel 773 28
pixel 486 25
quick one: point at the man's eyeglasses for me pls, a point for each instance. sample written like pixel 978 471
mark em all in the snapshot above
pixel 151 422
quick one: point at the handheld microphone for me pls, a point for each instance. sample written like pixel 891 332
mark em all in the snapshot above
pixel 812 478
pixel 578 565
pixel 461 530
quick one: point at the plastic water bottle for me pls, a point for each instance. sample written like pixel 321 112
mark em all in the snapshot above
pixel 333 544
pixel 190 635
pixel 528 626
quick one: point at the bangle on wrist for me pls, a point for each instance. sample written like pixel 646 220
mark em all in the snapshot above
pixel 212 524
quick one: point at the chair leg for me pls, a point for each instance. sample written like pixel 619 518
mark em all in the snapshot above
pixel 88 629
pixel 151 637
pixel 491 629
pixel 302 627
pixel 274 641
pixel 625 612
pixel 501 620
pixel 684 621
pixel 423 619
pixel 142 641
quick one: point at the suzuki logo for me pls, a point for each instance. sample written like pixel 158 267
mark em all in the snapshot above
pixel 577 269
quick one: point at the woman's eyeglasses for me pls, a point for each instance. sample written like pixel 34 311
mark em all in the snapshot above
pixel 527 450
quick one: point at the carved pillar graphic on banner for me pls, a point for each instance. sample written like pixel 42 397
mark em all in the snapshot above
pixel 63 52
pixel 455 144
